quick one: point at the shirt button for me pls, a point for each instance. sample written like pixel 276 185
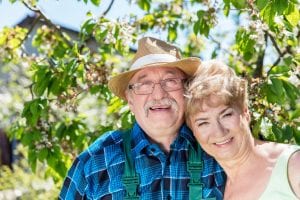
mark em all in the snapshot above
pixel 168 162
pixel 152 149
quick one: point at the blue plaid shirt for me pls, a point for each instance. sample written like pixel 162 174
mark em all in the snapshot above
pixel 97 172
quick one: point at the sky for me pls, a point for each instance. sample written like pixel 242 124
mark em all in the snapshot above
pixel 62 12
pixel 72 13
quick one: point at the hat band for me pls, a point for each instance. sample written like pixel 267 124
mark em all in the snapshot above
pixel 152 58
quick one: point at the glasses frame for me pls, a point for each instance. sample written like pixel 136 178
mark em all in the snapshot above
pixel 162 84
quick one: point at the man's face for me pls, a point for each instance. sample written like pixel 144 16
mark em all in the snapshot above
pixel 159 110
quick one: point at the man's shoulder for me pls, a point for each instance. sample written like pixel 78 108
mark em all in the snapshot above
pixel 109 140
pixel 106 140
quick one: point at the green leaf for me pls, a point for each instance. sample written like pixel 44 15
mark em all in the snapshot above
pixel 268 14
pixel 172 33
pixel 287 134
pixel 87 29
pixel 296 132
pixel 261 4
pixel 42 83
pixel 61 168
pixel 280 69
pixel 30 137
pixel 293 17
pixel 226 8
pixel 239 4
pixel 54 86
pixel 60 131
pixel 245 44
pixel 288 60
pixel 115 105
pixel 271 96
pixel 96 2
pixel 32 159
pixel 295 114
pixel 257 128
pixel 52 159
pixel 279 6
pixel 202 26
pixel 291 90
pixel 277 86
pixel 42 154
pixel 144 4
pixel 127 120
pixel 278 133
pixel 60 50
pixel 196 27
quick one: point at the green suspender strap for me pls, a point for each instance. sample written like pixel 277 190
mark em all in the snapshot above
pixel 130 178
pixel 194 167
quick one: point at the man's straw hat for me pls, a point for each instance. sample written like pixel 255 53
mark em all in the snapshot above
pixel 152 52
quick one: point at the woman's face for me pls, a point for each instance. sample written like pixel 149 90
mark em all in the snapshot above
pixel 222 130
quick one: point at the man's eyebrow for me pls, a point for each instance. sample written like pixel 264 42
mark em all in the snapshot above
pixel 141 77
pixel 173 71
pixel 170 71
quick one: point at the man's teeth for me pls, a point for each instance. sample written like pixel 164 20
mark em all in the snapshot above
pixel 158 107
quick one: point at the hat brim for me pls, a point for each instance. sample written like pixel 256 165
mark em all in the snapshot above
pixel 119 83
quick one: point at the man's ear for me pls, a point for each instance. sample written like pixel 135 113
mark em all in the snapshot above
pixel 129 99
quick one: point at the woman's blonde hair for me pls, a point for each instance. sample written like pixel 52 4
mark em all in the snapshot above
pixel 215 78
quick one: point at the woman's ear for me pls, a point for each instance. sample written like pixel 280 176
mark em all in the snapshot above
pixel 247 114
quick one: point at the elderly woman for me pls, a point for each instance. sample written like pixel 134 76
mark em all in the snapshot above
pixel 217 112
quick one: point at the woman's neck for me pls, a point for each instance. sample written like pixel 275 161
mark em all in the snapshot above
pixel 242 163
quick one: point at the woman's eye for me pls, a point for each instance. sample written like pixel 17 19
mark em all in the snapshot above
pixel 228 114
pixel 202 124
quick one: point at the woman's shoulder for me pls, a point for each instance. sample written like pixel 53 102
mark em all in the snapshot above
pixel 294 172
pixel 274 150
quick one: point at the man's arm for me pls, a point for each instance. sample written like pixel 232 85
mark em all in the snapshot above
pixel 75 183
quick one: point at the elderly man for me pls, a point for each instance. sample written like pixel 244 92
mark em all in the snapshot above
pixel 158 158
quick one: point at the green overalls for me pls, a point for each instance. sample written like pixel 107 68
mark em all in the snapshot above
pixel 131 179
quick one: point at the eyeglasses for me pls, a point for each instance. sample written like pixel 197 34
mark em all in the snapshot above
pixel 147 87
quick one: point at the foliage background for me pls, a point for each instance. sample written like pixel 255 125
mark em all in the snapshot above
pixel 56 102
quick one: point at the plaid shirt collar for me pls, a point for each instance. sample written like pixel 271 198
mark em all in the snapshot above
pixel 140 141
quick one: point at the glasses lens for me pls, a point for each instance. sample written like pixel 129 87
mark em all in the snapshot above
pixel 171 84
pixel 143 88
pixel 148 86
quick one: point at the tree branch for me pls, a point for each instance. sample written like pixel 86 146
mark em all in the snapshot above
pixel 35 21
pixel 227 51
pixel 258 72
pixel 49 22
pixel 288 49
pixel 108 8
pixel 275 43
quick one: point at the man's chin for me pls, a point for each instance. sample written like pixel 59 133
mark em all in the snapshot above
pixel 163 123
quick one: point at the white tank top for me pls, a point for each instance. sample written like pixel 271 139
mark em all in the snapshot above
pixel 279 187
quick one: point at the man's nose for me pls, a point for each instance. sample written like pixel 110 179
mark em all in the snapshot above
pixel 158 91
